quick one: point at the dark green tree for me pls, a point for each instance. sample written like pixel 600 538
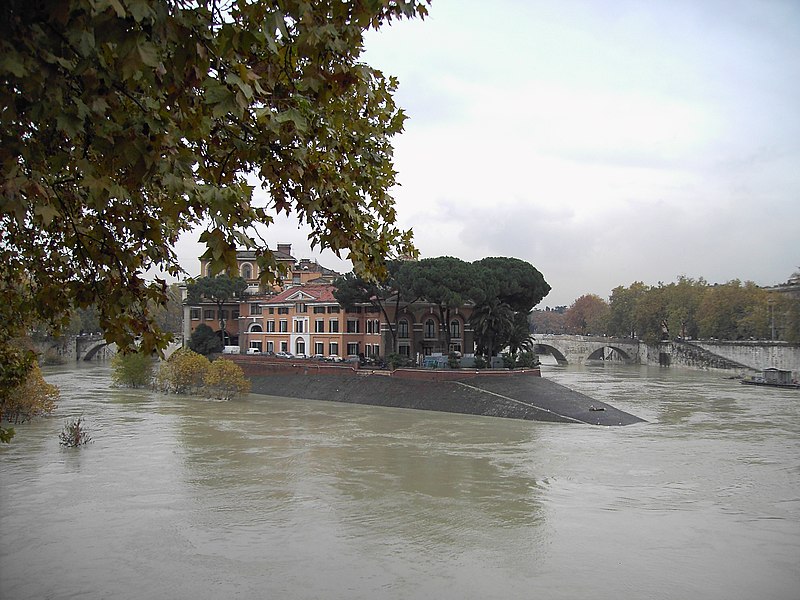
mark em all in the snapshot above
pixel 220 290
pixel 515 282
pixel 205 340
pixel 492 323
pixel 446 282
pixel 519 337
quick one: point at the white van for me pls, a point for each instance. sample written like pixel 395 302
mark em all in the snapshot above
pixel 231 350
pixel 254 350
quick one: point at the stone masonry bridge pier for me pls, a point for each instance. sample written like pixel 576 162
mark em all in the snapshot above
pixel 577 349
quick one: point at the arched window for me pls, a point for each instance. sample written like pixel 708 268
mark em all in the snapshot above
pixel 247 271
pixel 455 328
pixel 255 328
pixel 402 329
pixel 430 328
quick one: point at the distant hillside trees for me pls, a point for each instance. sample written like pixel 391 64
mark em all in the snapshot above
pixel 688 308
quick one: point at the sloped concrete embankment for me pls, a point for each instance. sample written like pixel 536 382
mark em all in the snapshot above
pixel 526 396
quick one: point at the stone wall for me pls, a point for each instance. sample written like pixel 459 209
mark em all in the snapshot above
pixel 741 357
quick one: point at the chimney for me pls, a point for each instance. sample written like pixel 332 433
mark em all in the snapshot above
pixel 285 249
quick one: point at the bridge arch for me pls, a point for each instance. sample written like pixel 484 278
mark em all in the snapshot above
pixel 94 350
pixel 553 351
pixel 601 354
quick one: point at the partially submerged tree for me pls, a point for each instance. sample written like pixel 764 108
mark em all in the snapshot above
pixel 32 398
pixel 132 369
pixel 183 372
pixel 225 380
pixel 127 123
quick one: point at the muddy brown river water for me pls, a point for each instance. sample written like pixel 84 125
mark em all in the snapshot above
pixel 287 499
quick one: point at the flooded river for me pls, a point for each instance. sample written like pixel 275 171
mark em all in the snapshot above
pixel 286 499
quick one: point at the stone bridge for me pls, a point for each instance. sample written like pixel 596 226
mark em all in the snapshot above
pixel 577 349
pixel 88 347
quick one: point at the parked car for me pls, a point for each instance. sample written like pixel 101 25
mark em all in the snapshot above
pixel 254 351
pixel 316 357
pixel 301 356
pixel 284 355
pixel 231 350
pixel 334 358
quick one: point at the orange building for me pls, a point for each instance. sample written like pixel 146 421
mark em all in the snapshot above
pixel 307 320
pixel 301 316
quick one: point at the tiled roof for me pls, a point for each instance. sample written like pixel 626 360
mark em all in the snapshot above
pixel 311 293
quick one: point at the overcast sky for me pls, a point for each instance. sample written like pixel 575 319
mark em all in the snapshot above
pixel 605 142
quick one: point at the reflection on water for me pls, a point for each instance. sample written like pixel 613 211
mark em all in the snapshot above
pixel 279 498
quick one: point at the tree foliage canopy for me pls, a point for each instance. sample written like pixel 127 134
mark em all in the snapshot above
pixel 127 123
pixel 501 290
pixel 205 340
pixel 693 308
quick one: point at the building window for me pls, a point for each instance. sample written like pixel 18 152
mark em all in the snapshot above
pixel 373 326
pixel 208 315
pixel 333 309
pixel 402 329
pixel 283 326
pixel 333 326
pixel 319 310
pixel 404 351
pixel 194 314
pixel 255 309
pixel 247 271
pixel 284 346
pixel 376 350
pixel 270 326
pixel 352 349
pixel 270 346
pixel 298 326
pixel 283 310
pixel 455 329
pixel 319 326
pixel 271 310
pixel 319 348
pixel 455 347
pixel 430 328
pixel 235 314
pixel 301 308
pixel 352 325
pixel 223 315
pixel 333 348
pixel 300 346
pixel 255 328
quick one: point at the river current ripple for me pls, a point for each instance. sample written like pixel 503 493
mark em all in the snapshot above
pixel 271 497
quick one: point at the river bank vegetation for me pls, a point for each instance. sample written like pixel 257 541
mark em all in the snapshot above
pixel 687 308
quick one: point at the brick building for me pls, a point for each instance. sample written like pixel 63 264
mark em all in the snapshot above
pixel 301 316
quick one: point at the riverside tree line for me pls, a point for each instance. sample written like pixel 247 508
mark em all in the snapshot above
pixel 687 308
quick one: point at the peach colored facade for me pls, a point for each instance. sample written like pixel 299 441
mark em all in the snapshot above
pixel 303 317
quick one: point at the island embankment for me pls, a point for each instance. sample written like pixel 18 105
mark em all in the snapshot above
pixel 518 394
